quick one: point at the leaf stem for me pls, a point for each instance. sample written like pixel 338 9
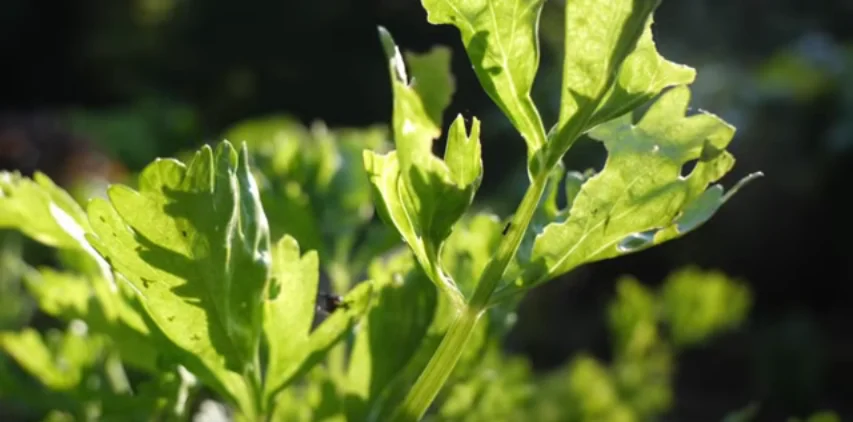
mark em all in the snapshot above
pixel 254 380
pixel 495 269
pixel 444 359
pixel 438 369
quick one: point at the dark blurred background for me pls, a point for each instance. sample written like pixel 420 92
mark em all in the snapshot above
pixel 98 88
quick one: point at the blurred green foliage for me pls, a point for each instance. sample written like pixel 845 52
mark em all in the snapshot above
pixel 636 385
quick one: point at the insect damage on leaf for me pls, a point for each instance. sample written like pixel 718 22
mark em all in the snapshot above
pixel 640 198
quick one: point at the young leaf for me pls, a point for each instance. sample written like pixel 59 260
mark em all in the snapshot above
pixel 312 180
pixel 292 347
pixel 193 242
pixel 640 198
pixel 611 66
pixel 416 192
pixel 503 45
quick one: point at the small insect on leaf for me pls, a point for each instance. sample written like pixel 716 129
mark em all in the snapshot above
pixel 328 303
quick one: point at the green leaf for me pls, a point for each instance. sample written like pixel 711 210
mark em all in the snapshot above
pixel 642 366
pixel 464 256
pixel 640 198
pixel 312 181
pixel 47 214
pixel 633 319
pixel 396 326
pixel 587 391
pixel 41 210
pixel 503 45
pixel 57 361
pixel 432 81
pixel 318 399
pixel 699 304
pixel 498 389
pixel 469 248
pixel 293 348
pixel 289 314
pixel 421 195
pixel 646 382
pixel 91 299
pixel 611 66
pixel 193 241
pixel 642 76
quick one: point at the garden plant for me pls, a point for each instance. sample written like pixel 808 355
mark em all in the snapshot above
pixel 216 276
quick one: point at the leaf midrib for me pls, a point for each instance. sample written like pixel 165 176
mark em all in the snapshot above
pixel 516 103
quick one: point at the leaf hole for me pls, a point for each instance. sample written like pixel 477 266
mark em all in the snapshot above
pixel 688 167
pixel 184 233
pixel 170 318
pixel 103 220
pixel 145 282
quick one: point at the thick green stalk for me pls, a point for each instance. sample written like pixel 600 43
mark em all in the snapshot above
pixel 450 349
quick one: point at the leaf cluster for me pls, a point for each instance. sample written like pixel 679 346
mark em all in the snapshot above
pixel 206 273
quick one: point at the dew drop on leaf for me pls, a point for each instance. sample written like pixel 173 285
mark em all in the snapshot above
pixel 635 241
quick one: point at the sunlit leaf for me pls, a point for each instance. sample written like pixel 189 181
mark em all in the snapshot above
pixel 502 43
pixel 40 209
pixel 418 193
pixel 611 66
pixel 292 347
pixel 194 243
pixel 640 198
pixel 47 214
